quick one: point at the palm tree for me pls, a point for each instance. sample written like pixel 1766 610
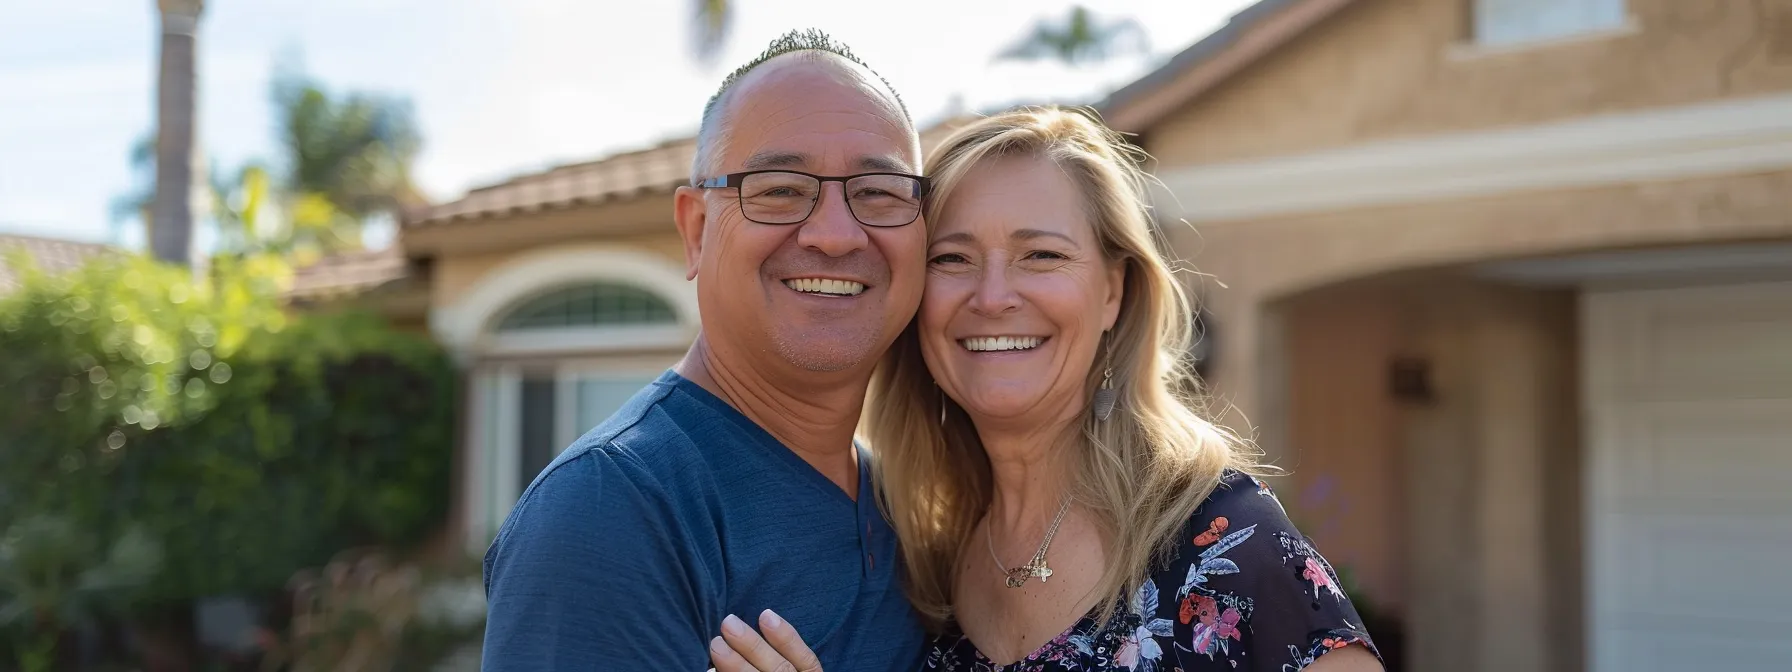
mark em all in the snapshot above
pixel 1078 39
pixel 348 160
pixel 710 21
pixel 171 227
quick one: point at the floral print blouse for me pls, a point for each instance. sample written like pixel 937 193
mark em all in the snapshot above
pixel 1245 592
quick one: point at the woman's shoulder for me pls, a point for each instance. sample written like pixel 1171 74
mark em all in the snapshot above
pixel 1241 567
pixel 1243 524
pixel 1238 502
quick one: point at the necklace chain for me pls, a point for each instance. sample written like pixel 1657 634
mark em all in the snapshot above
pixel 1018 576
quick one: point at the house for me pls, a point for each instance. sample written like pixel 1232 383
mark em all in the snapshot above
pixel 1505 284
pixel 50 255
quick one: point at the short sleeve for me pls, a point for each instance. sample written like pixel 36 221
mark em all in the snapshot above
pixel 592 570
pixel 1254 593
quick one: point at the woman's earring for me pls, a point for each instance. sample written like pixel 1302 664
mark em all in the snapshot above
pixel 942 407
pixel 1106 395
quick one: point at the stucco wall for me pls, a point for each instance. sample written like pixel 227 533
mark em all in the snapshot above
pixel 1460 511
pixel 1345 439
pixel 456 273
pixel 1401 68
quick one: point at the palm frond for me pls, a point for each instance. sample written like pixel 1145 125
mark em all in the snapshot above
pixel 710 24
pixel 1077 39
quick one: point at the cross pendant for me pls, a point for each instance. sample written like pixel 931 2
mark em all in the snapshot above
pixel 1018 576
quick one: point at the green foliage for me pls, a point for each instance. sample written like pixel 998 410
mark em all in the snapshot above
pixel 344 160
pixel 53 573
pixel 247 443
pixel 1079 39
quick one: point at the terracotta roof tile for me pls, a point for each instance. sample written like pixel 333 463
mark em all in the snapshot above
pixel 49 254
pixel 348 273
pixel 655 170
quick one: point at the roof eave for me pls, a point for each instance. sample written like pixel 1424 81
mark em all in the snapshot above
pixel 1247 37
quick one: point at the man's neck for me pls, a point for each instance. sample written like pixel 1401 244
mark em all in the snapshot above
pixel 814 417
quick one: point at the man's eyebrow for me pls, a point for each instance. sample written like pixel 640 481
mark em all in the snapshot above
pixel 883 164
pixel 764 160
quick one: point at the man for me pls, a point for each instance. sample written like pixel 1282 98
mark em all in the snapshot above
pixel 732 484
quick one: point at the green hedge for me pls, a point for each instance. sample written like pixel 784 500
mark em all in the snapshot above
pixel 247 442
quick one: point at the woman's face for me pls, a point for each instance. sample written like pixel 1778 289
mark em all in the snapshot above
pixel 1018 294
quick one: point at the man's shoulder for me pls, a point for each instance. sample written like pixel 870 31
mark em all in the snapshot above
pixel 649 441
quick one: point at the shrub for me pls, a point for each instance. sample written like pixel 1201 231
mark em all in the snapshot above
pixel 246 442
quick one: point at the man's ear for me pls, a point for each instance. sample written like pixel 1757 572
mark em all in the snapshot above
pixel 691 214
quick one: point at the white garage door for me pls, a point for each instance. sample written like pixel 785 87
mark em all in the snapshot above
pixel 1689 493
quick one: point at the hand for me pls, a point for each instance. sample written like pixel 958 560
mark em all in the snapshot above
pixel 739 649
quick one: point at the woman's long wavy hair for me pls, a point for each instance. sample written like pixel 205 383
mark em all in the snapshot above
pixel 1143 471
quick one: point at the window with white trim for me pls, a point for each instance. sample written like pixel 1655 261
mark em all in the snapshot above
pixel 597 304
pixel 1503 22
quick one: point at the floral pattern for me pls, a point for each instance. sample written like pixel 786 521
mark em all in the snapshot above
pixel 1250 593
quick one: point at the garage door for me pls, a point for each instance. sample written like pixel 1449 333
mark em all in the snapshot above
pixel 1688 400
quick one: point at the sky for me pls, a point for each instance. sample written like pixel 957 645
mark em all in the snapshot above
pixel 499 87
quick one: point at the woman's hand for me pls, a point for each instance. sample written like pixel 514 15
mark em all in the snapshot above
pixel 739 649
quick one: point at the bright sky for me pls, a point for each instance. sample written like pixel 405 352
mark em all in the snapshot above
pixel 500 87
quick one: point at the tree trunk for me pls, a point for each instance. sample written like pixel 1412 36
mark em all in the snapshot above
pixel 171 221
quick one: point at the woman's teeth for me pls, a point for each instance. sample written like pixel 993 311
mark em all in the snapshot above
pixel 825 286
pixel 996 343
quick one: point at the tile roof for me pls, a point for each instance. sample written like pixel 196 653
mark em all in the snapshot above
pixel 658 169
pixel 49 254
pixel 348 273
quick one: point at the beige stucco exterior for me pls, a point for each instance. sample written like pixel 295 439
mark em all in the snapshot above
pixel 1460 514
pixel 458 270
pixel 1381 69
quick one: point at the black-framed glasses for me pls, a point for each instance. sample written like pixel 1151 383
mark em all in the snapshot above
pixel 789 197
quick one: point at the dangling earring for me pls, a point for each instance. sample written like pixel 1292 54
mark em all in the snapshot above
pixel 1106 395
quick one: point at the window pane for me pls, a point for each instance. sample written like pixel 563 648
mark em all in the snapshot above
pixel 1512 21
pixel 599 398
pixel 589 305
pixel 536 428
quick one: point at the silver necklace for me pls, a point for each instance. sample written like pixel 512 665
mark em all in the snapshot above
pixel 1018 576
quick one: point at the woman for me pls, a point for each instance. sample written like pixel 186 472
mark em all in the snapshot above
pixel 1061 503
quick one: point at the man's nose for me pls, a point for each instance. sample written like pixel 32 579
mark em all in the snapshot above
pixel 831 229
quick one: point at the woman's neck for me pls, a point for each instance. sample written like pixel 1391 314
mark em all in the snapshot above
pixel 1032 474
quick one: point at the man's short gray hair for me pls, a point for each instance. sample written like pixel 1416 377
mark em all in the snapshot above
pixel 710 133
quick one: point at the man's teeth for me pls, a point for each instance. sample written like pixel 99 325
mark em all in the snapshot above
pixel 994 343
pixel 825 286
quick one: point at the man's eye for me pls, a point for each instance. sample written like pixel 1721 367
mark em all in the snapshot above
pixel 948 258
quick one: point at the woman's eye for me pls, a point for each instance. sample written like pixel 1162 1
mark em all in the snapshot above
pixel 1046 255
pixel 948 258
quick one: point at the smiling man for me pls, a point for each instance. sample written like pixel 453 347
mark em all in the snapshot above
pixel 732 484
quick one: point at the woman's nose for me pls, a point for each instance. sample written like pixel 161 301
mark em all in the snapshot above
pixel 995 295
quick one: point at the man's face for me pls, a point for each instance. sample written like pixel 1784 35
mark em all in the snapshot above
pixel 787 291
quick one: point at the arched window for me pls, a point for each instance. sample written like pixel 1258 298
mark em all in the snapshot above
pixel 593 305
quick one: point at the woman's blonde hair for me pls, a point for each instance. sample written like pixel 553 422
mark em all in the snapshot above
pixel 1142 472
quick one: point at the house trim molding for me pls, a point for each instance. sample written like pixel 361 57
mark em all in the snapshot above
pixel 464 325
pixel 1726 137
